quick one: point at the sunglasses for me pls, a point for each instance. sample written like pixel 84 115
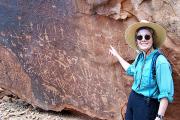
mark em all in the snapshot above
pixel 140 37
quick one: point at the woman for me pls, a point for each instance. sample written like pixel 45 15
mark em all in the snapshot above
pixel 150 93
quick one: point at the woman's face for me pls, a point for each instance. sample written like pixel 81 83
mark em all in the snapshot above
pixel 144 40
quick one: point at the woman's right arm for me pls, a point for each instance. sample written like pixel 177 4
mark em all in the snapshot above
pixel 123 63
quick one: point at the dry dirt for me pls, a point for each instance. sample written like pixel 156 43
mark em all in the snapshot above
pixel 13 108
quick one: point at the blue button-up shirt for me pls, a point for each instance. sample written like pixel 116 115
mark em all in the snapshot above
pixel 160 87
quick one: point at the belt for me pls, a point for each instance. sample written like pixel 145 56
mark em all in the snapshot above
pixel 147 99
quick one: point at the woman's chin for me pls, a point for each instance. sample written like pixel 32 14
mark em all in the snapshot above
pixel 144 48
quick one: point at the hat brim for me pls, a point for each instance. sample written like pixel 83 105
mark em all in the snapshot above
pixel 159 33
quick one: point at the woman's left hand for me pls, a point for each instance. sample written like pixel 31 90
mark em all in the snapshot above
pixel 157 118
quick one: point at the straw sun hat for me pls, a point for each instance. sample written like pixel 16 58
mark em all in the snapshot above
pixel 159 33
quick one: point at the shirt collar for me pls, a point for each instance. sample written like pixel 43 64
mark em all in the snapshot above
pixel 150 54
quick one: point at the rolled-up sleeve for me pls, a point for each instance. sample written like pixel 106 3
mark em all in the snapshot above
pixel 165 81
pixel 131 70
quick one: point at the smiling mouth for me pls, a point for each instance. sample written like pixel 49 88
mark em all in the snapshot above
pixel 144 43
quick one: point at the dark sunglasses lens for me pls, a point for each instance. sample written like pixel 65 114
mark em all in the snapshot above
pixel 147 37
pixel 139 37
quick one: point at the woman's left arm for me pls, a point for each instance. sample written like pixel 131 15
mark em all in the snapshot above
pixel 165 84
pixel 162 107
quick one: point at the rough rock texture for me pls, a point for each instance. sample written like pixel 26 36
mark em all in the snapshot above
pixel 12 108
pixel 54 53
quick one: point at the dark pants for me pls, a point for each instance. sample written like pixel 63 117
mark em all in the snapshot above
pixel 140 107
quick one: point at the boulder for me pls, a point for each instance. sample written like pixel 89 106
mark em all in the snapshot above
pixel 54 54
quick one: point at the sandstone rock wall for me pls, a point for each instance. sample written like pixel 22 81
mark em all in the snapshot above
pixel 54 54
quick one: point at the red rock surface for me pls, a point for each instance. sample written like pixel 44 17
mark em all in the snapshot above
pixel 54 54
